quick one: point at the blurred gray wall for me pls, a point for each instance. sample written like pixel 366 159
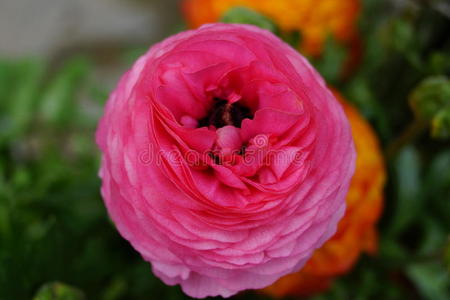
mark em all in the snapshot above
pixel 46 27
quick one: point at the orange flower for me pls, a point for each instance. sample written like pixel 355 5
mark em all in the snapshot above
pixel 356 232
pixel 314 19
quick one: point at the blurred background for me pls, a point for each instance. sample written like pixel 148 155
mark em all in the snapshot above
pixel 59 59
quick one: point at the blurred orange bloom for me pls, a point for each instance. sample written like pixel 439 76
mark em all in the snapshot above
pixel 356 232
pixel 312 18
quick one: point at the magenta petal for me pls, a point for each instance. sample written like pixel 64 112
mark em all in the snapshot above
pixel 268 121
pixel 229 137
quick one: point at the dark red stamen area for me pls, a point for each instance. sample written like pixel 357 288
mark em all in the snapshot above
pixel 224 113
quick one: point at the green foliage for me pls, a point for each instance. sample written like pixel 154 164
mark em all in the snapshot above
pixel 53 225
pixel 56 241
pixel 58 291
pixel 243 15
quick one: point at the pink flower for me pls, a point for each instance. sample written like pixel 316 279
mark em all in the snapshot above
pixel 226 160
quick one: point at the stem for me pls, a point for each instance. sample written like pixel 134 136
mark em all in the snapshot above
pixel 408 136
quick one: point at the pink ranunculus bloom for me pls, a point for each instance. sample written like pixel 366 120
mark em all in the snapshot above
pixel 226 160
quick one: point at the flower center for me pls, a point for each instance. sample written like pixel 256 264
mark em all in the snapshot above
pixel 224 113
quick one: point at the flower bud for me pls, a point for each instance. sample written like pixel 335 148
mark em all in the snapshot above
pixel 440 125
pixel 430 97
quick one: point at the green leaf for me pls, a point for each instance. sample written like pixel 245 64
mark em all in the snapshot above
pixel 392 252
pixel 131 55
pixel 331 62
pixel 58 291
pixel 362 96
pixel 58 103
pixel 100 95
pixel 23 95
pixel 437 187
pixel 115 289
pixel 6 81
pixel 293 38
pixel 244 15
pixel 5 227
pixel 447 256
pixel 433 238
pixel 439 63
pixel 400 36
pixel 408 205
pixel 367 285
pixel 431 278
